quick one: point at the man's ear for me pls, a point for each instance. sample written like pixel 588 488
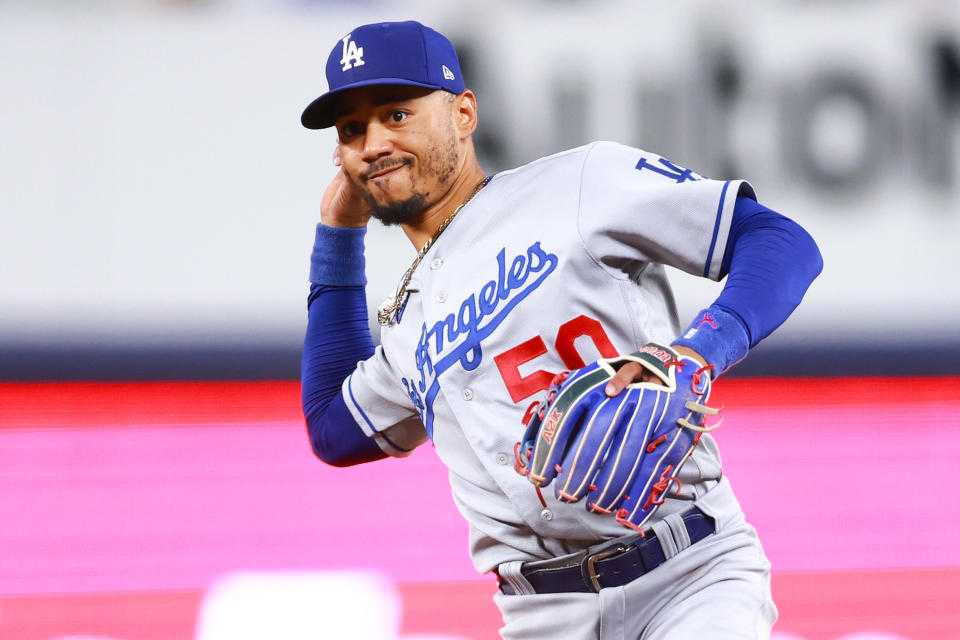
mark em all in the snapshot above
pixel 465 113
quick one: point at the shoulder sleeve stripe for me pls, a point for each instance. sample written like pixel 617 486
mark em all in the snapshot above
pixel 359 409
pixel 716 229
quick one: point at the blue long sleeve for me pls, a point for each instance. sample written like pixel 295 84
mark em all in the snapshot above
pixel 770 262
pixel 337 337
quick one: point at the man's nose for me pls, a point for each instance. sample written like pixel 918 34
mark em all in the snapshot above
pixel 377 142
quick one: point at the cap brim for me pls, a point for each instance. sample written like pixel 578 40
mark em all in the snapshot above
pixel 319 113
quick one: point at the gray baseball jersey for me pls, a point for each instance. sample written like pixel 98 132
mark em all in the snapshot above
pixel 549 267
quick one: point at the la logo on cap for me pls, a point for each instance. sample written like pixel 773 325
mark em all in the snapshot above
pixel 352 54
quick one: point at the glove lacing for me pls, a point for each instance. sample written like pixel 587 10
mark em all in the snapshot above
pixel 699 384
pixel 660 491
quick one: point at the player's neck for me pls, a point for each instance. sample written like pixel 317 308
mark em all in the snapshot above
pixel 426 226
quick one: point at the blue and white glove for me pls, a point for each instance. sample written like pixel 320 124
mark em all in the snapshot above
pixel 621 453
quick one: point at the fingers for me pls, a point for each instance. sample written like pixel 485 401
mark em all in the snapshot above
pixel 624 376
pixel 578 462
pixel 621 464
pixel 552 440
pixel 589 449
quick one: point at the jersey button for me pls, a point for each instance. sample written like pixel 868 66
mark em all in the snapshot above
pixel 468 394
pixel 441 297
pixel 502 458
pixel 436 263
pixel 546 515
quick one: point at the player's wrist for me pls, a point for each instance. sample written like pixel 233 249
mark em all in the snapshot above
pixel 716 337
pixel 690 353
pixel 344 221
pixel 338 256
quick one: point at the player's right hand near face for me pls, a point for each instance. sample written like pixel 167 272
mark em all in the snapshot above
pixel 342 204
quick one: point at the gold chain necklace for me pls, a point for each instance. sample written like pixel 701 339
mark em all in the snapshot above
pixel 388 312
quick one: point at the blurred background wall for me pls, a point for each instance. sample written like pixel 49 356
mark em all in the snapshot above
pixel 158 193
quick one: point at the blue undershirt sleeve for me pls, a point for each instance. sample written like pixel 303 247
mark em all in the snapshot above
pixel 337 337
pixel 770 262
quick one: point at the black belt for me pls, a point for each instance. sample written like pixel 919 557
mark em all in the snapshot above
pixel 611 564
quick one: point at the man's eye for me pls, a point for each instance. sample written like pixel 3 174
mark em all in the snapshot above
pixel 350 130
pixel 398 116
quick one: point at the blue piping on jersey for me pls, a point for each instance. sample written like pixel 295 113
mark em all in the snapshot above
pixel 357 404
pixel 716 229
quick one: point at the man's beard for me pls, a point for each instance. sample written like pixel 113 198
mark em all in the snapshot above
pixel 440 161
pixel 397 212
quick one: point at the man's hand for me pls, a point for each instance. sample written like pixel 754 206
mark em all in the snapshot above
pixel 342 204
pixel 634 372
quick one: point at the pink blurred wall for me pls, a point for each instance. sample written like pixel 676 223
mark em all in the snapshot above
pixel 160 488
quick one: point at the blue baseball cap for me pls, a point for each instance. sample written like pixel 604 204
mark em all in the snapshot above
pixel 390 53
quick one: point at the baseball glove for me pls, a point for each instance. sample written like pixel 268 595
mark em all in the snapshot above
pixel 623 453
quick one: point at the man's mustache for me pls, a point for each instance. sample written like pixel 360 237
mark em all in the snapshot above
pixel 383 166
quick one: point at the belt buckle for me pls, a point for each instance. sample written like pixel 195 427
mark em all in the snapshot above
pixel 594 558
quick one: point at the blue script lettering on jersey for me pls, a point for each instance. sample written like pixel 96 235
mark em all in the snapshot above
pixel 479 315
pixel 669 170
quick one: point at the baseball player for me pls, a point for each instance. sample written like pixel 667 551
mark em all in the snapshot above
pixel 595 496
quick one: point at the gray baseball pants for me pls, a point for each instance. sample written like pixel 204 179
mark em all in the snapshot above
pixel 718 588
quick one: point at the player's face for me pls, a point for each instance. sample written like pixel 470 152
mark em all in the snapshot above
pixel 400 146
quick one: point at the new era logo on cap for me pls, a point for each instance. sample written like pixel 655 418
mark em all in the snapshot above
pixel 386 53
